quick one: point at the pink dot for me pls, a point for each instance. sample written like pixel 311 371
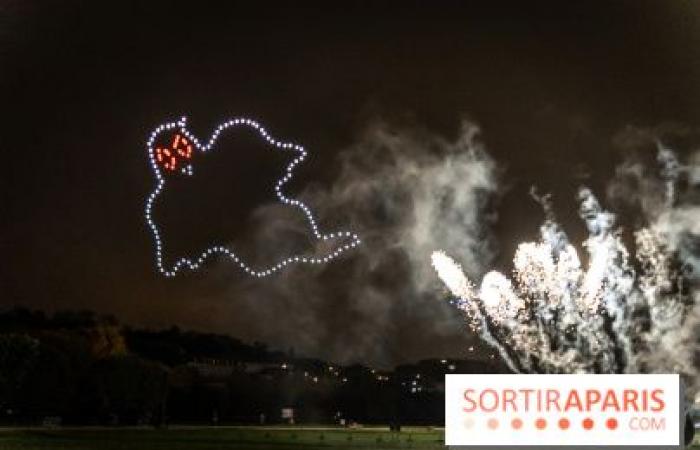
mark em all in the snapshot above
pixel 516 423
pixel 493 424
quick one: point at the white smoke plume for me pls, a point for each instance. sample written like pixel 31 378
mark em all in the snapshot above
pixel 404 191
pixel 618 314
pixel 411 190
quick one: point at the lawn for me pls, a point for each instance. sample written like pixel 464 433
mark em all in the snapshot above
pixel 223 438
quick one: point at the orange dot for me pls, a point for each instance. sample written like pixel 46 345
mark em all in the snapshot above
pixel 493 424
pixel 516 423
pixel 564 423
pixel 611 423
pixel 541 424
pixel 588 423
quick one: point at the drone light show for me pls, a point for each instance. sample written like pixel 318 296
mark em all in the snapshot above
pixel 319 224
pixel 175 156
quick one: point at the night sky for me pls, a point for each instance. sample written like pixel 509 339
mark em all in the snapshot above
pixel 82 84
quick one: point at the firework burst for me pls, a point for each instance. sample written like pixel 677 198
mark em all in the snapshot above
pixel 619 314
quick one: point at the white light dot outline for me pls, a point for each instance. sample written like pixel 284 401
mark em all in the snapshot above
pixel 181 125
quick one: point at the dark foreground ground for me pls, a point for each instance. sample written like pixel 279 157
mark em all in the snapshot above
pixel 223 438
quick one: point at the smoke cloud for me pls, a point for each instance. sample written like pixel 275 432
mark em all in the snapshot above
pixel 667 194
pixel 404 191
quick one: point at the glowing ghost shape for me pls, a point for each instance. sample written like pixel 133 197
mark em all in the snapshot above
pixel 177 156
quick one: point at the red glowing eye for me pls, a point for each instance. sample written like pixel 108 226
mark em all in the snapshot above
pixel 179 149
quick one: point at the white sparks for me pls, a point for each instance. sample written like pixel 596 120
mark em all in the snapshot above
pixel 554 316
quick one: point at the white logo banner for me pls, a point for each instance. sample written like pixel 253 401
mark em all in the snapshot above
pixel 562 410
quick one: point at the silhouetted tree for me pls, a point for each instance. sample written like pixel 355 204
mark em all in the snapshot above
pixel 127 389
pixel 18 355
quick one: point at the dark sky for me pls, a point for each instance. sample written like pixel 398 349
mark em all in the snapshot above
pixel 83 83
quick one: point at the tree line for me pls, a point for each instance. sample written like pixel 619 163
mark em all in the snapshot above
pixel 78 367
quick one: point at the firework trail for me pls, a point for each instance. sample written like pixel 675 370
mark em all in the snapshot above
pixel 617 315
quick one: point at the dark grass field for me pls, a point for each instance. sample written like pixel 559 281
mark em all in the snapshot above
pixel 258 438
pixel 223 438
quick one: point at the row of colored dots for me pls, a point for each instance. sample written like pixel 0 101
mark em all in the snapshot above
pixel 541 423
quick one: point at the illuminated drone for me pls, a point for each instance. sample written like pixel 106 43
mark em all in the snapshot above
pixel 175 157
